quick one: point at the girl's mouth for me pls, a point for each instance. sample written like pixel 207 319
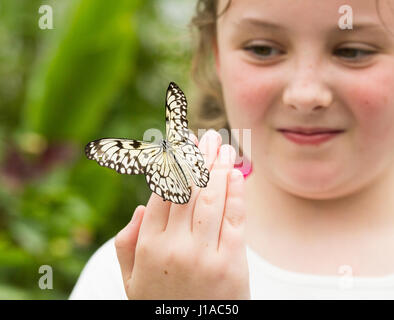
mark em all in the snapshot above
pixel 310 136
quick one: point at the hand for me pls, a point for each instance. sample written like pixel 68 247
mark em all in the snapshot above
pixel 190 251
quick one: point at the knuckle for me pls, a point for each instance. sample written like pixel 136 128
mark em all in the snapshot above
pixel 235 218
pixel 180 258
pixel 143 249
pixel 172 257
pixel 223 270
pixel 120 241
pixel 235 239
pixel 213 269
pixel 237 278
pixel 208 197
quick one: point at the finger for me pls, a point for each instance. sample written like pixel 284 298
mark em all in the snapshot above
pixel 193 138
pixel 180 217
pixel 126 241
pixel 208 212
pixel 155 216
pixel 209 146
pixel 234 213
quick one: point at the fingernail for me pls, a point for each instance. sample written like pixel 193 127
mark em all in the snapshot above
pixel 226 154
pixel 236 175
pixel 218 137
pixel 213 135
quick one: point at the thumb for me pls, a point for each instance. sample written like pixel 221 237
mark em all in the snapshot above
pixel 126 241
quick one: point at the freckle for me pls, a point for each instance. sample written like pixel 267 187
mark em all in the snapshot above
pixel 199 221
pixel 165 272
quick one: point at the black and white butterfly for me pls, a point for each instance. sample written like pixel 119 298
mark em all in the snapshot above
pixel 169 166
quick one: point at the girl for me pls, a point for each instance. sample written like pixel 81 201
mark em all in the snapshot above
pixel 315 219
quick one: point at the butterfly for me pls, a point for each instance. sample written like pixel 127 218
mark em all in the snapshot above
pixel 169 166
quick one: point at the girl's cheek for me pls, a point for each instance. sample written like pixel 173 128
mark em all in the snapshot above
pixel 373 106
pixel 248 90
pixel 368 101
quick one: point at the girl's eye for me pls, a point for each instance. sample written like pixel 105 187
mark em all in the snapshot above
pixel 353 53
pixel 261 51
pixel 265 52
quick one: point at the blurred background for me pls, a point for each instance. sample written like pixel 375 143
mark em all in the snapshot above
pixel 102 71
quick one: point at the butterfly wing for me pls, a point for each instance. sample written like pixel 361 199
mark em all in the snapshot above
pixel 176 111
pixel 124 156
pixel 163 174
pixel 177 133
pixel 192 162
pixel 166 178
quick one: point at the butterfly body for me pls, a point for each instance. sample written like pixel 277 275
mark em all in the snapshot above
pixel 169 166
pixel 166 146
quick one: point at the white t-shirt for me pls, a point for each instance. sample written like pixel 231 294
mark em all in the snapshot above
pixel 101 279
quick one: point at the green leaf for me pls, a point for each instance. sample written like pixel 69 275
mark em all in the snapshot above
pixel 70 92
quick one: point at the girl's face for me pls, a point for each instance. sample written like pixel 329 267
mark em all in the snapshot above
pixel 285 63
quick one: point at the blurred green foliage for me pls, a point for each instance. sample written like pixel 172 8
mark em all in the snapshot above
pixel 101 72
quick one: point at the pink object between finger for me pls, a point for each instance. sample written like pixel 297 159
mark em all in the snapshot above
pixel 245 167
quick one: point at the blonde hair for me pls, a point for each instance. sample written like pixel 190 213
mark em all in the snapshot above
pixel 210 112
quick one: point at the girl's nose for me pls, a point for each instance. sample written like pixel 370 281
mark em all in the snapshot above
pixel 306 91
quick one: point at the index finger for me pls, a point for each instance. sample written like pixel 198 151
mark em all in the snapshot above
pixel 156 216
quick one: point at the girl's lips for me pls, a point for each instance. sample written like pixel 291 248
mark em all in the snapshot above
pixel 310 138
